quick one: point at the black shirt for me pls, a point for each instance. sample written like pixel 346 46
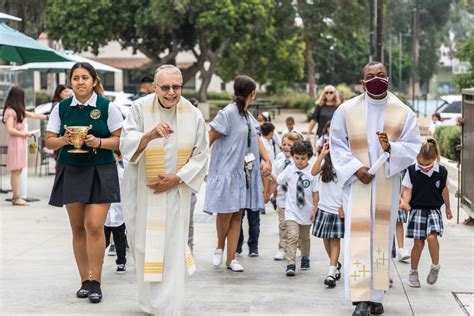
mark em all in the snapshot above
pixel 321 115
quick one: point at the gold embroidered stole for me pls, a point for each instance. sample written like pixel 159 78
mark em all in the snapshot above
pixel 158 204
pixel 365 264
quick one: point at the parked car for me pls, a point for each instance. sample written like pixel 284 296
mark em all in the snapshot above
pixel 121 99
pixel 450 109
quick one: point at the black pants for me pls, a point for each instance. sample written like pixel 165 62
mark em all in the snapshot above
pixel 120 241
pixel 254 231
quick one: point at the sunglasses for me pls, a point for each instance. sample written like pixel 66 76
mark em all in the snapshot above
pixel 175 87
pixel 329 92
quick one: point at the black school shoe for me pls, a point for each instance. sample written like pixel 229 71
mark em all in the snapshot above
pixel 95 294
pixel 362 309
pixel 330 281
pixel 83 292
pixel 376 308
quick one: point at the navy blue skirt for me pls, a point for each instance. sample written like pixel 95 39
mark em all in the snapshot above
pixel 89 185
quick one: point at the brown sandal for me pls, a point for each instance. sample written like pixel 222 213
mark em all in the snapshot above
pixel 18 201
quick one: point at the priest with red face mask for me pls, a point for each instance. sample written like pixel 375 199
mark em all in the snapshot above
pixel 373 137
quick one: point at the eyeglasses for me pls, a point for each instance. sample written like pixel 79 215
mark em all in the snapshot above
pixel 175 87
pixel 329 92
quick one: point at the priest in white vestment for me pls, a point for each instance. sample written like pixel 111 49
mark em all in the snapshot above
pixel 165 140
pixel 363 129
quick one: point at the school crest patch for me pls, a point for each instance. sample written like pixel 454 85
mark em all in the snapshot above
pixel 438 183
pixel 306 183
pixel 95 114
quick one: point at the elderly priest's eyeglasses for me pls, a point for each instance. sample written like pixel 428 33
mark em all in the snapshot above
pixel 166 88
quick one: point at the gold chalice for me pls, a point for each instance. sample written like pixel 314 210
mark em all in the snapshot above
pixel 78 134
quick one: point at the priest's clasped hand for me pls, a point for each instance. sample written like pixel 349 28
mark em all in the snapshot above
pixel 363 175
pixel 163 183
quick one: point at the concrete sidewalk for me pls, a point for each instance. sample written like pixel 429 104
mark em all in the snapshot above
pixel 39 275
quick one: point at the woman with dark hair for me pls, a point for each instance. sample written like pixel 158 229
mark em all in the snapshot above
pixel 233 182
pixel 60 93
pixel 87 183
pixel 14 116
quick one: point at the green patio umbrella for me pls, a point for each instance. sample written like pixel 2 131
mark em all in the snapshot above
pixel 17 47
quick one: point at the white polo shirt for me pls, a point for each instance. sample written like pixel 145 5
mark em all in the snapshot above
pixel 330 195
pixel 290 177
pixel 114 120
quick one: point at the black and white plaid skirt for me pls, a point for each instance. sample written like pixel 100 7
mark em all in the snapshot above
pixel 423 223
pixel 328 225
pixel 88 185
pixel 402 216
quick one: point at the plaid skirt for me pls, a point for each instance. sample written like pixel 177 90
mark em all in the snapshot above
pixel 328 225
pixel 423 223
pixel 402 216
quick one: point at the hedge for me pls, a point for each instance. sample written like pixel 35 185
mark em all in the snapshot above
pixel 448 137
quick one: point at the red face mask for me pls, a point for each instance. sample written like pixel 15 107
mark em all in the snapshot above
pixel 376 86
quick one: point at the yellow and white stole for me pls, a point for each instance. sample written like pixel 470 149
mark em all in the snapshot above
pixel 361 256
pixel 157 204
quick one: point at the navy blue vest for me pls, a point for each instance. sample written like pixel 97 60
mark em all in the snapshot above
pixel 427 191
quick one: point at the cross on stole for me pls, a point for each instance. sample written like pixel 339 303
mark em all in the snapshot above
pixel 355 275
pixel 383 259
pixel 364 270
pixel 379 250
pixel 357 263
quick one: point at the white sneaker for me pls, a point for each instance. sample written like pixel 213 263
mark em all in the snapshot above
pixel 280 255
pixel 217 257
pixel 403 254
pixel 235 266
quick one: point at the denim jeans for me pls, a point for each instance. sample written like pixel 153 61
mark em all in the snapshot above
pixel 254 230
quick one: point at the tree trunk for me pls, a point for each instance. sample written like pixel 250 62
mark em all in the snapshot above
pixel 308 50
pixel 206 75
pixel 310 67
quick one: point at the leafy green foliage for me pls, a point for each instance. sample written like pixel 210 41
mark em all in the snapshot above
pixel 448 137
pixel 466 53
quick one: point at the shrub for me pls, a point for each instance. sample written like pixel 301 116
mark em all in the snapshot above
pixel 448 137
pixel 42 96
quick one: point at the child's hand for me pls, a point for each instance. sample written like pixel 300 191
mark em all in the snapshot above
pixel 313 216
pixel 341 212
pixel 449 214
pixel 325 150
pixel 404 206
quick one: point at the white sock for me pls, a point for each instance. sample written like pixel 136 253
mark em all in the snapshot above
pixel 413 270
pixel 435 266
pixel 332 271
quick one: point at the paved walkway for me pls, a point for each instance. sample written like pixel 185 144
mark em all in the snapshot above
pixel 38 274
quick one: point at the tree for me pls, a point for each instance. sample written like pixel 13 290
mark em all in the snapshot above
pixel 466 53
pixel 337 34
pixel 275 56
pixel 31 12
pixel 160 30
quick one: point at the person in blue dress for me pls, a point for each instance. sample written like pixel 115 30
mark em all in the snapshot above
pixel 234 177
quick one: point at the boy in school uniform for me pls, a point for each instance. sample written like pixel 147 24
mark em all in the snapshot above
pixel 282 161
pixel 299 204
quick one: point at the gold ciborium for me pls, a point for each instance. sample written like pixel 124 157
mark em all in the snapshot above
pixel 78 134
